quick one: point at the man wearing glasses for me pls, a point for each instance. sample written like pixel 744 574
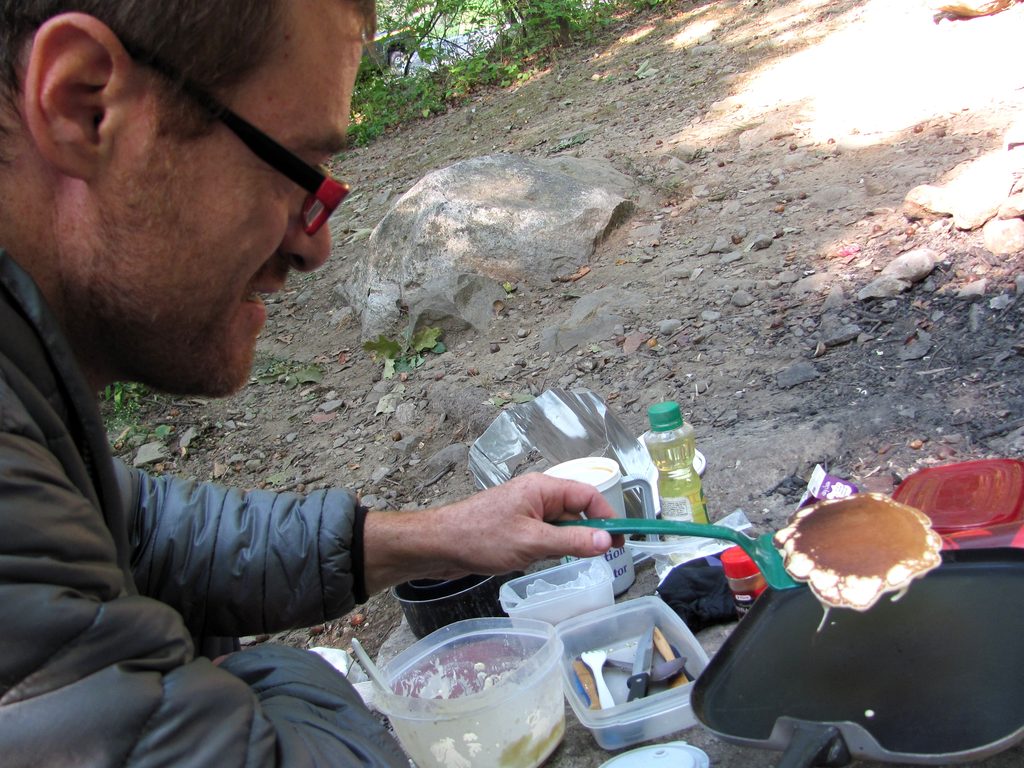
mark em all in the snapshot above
pixel 145 211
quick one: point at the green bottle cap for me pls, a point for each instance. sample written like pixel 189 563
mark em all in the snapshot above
pixel 664 416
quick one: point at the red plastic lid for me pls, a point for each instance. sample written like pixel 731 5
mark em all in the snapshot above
pixel 970 494
pixel 737 563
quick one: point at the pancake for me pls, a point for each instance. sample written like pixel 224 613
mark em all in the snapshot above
pixel 852 551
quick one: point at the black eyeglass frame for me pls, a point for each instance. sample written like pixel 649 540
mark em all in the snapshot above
pixel 325 193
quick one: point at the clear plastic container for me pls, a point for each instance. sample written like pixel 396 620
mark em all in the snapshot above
pixel 478 693
pixel 614 629
pixel 579 586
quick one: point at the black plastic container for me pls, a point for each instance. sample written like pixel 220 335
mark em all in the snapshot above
pixel 430 604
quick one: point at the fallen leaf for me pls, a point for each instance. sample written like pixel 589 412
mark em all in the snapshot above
pixel 632 343
pixel 278 478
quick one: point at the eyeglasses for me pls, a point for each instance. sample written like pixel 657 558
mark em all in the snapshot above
pixel 325 192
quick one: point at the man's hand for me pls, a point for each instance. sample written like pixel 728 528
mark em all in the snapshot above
pixel 502 529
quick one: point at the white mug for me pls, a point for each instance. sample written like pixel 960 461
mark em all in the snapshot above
pixel 605 475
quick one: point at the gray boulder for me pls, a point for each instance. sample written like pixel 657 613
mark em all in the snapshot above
pixel 443 250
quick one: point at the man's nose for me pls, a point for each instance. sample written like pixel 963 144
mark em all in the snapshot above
pixel 306 253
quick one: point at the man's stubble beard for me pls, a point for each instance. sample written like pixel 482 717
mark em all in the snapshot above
pixel 139 332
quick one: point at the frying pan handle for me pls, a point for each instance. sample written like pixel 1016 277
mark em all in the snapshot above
pixel 815 744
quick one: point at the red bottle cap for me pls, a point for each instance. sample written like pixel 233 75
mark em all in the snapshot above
pixel 737 563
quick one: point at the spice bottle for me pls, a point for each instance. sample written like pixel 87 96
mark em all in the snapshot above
pixel 672 444
pixel 745 580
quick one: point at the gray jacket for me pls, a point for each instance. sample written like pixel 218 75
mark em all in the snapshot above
pixel 107 573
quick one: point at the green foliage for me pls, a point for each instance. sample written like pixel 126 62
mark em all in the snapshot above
pixel 287 372
pixel 124 399
pixel 407 352
pixel 382 99
pixel 448 37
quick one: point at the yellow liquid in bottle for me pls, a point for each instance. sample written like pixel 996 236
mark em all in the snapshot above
pixel 679 485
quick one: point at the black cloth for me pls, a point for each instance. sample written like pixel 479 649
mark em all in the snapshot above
pixel 107 574
pixel 699 592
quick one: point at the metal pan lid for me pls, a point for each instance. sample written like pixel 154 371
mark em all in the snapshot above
pixel 677 754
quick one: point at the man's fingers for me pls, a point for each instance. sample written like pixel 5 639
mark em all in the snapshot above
pixel 581 541
pixel 578 497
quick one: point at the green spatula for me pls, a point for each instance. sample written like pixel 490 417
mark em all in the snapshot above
pixel 761 549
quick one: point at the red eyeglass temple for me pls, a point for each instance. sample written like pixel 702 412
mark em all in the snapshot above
pixel 321 204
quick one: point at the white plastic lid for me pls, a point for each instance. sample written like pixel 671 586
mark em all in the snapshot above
pixel 677 754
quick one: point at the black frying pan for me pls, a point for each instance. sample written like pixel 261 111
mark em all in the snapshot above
pixel 932 678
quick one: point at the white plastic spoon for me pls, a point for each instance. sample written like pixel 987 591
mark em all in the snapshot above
pixel 595 660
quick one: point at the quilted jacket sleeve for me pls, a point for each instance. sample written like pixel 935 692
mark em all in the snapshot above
pixel 242 563
pixel 93 674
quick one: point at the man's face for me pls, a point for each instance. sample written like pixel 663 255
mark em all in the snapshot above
pixel 171 262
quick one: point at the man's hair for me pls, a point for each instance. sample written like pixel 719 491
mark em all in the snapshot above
pixel 213 43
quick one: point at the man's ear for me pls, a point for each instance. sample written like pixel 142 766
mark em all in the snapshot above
pixel 76 80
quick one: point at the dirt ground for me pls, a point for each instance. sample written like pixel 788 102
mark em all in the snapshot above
pixel 800 125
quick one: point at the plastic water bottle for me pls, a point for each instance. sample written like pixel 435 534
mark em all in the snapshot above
pixel 672 444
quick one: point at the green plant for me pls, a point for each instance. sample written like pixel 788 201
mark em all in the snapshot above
pixel 124 398
pixel 407 352
pixel 462 45
pixel 286 372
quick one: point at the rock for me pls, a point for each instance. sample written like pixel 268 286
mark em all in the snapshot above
pixel 668 327
pixel 592 172
pixel 1012 207
pixel 787 277
pixel 836 298
pixel 405 413
pixel 798 373
pixel 446 246
pixel 741 299
pixel 454 455
pixel 331 405
pixel 815 283
pixel 646 236
pixel 710 316
pixel 834 332
pixel 593 318
pixel 834 197
pixel 883 287
pixel 973 290
pixel 760 242
pixel 927 201
pixel 912 266
pixel 186 439
pixel 151 453
pixel 1004 236
pixel 722 244
pixel 972 197
pixel 371 501
pixel 918 347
